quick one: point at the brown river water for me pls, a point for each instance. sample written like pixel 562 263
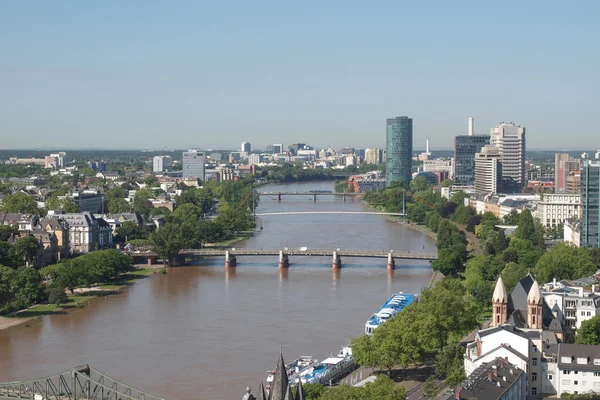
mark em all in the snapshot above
pixel 201 332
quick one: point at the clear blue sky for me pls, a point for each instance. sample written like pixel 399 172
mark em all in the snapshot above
pixel 138 74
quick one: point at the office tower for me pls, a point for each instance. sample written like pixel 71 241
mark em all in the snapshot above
pixel 590 201
pixel 101 166
pixel 471 126
pixel 465 148
pixel 510 140
pixel 246 147
pixel 60 157
pixel 488 170
pixel 564 164
pixel 161 163
pixel 277 148
pixel 254 159
pixel 373 156
pixel 399 132
pixel 297 146
pixel 193 165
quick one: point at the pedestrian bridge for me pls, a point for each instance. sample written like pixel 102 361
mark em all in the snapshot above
pixel 80 383
pixel 314 194
pixel 327 212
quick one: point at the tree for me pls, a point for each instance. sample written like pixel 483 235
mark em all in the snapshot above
pixel 6 231
pixel 526 228
pixel 513 273
pixel 56 294
pixel 430 387
pixel 142 203
pixel 25 250
pixel 167 241
pixel 6 277
pixel 419 184
pixel 449 363
pixel 27 287
pixel 447 262
pixel 118 205
pixel 383 388
pixel 589 332
pixel 512 218
pixel 66 204
pixel 523 252
pixel 563 261
pixel 447 183
pixel 130 231
pixel 20 203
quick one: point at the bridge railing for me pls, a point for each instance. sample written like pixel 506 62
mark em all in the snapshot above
pixel 80 383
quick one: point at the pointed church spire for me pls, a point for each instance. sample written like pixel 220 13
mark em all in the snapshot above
pixel 500 295
pixel 534 296
pixel 261 392
pixel 300 391
pixel 288 394
pixel 280 381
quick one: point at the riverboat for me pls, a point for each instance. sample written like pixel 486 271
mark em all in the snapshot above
pixel 294 368
pixel 329 370
pixel 390 308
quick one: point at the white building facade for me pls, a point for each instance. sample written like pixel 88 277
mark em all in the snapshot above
pixel 554 209
pixel 488 170
pixel 510 141
pixel 161 163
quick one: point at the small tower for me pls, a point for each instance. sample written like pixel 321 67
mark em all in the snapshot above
pixel 534 307
pixel 499 304
pixel 279 386
pixel 300 391
pixel 261 392
pixel 248 395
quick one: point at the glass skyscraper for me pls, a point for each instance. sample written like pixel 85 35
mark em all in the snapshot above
pixel 465 148
pixel 399 150
pixel 590 201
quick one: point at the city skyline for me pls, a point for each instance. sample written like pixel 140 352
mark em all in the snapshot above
pixel 117 75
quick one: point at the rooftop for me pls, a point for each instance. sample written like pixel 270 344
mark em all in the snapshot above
pixel 489 381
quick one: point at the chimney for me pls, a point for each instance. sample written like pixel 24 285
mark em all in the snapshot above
pixel 471 126
pixel 490 376
pixel 495 369
pixel 458 390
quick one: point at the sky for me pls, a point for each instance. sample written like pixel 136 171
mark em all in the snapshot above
pixel 178 74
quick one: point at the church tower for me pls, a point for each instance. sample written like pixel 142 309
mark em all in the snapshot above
pixel 534 307
pixel 499 304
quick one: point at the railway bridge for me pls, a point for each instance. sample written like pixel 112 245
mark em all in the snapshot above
pixel 313 193
pixel 79 383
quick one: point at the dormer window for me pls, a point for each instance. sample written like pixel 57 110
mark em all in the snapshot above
pixel 565 360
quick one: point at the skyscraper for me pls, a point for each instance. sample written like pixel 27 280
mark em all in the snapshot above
pixel 488 170
pixel 246 147
pixel 465 148
pixel 399 149
pixel 590 201
pixel 161 163
pixel 510 140
pixel 564 164
pixel 277 148
pixel 193 165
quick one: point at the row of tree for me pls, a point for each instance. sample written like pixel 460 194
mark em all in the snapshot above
pixel 383 388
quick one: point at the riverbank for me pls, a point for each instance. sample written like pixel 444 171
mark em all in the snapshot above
pixel 420 228
pixel 79 298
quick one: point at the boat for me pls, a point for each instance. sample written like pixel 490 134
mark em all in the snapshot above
pixel 329 370
pixel 294 368
pixel 389 309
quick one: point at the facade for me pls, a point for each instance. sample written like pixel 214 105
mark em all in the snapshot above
pixel 571 368
pixel 246 147
pixel 572 232
pixel 590 201
pixel 161 163
pixel 555 209
pixel 510 140
pixel 399 149
pixel 564 164
pixel 373 156
pixel 437 165
pixel 277 149
pixel 571 304
pixel 193 165
pixel 254 159
pixel 488 170
pixel 60 229
pixel 83 231
pixel 465 148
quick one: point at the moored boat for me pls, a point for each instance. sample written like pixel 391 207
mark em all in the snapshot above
pixel 396 303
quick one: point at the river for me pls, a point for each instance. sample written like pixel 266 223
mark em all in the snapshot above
pixel 201 332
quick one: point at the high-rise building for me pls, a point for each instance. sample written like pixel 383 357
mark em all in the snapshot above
pixel 590 203
pixel 373 156
pixel 399 135
pixel 510 141
pixel 161 163
pixel 254 159
pixel 465 148
pixel 277 148
pixel 193 165
pixel 564 164
pixel 246 148
pixel 488 170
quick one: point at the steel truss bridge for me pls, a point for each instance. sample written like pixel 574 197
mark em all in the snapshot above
pixel 80 383
pixel 207 252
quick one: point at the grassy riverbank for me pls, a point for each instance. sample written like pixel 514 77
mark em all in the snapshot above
pixel 421 228
pixel 78 299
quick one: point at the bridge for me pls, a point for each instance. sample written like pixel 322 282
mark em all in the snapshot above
pixel 79 383
pixel 327 212
pixel 314 194
pixel 284 254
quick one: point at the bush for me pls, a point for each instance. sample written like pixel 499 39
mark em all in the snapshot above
pixel 56 294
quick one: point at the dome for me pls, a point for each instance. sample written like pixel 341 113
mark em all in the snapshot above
pixel 534 296
pixel 500 295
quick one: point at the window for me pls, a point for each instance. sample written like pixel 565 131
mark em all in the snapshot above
pixel 575 372
pixel 583 383
pixel 549 377
pixel 565 360
pixel 534 361
pixel 566 382
pixel 566 371
pixel 596 385
pixel 575 382
pixel 533 391
pixel 596 361
pixel 533 376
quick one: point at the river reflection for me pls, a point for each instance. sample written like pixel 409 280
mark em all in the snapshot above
pixel 203 331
